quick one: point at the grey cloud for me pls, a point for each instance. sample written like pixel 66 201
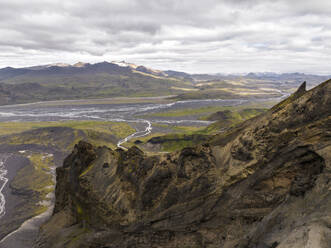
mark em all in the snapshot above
pixel 221 35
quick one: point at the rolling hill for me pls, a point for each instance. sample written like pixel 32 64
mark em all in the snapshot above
pixel 120 79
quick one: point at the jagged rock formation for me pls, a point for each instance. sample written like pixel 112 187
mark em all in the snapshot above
pixel 265 183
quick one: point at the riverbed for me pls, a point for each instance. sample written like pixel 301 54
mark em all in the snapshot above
pixel 137 114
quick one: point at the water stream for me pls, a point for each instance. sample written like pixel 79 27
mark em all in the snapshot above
pixel 3 182
pixel 139 114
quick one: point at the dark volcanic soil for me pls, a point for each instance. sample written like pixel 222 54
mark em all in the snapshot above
pixel 16 201
pixel 13 164
pixel 262 184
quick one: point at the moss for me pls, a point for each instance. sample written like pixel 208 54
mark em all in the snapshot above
pixel 185 136
pixel 34 183
pixel 283 103
pixel 300 91
pixel 82 216
pixel 79 209
pixel 174 142
pixel 114 128
pixel 64 135
pixel 75 236
pixel 187 129
pixel 41 209
pixel 86 170
pixel 205 112
pixel 230 118
pixel 32 178
pixel 187 112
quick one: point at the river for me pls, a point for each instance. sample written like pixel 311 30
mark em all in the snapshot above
pixel 3 182
pixel 139 115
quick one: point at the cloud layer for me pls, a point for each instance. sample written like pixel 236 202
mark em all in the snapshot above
pixel 190 35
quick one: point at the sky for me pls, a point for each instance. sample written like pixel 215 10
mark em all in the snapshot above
pixel 195 36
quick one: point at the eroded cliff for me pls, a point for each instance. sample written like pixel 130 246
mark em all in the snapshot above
pixel 265 183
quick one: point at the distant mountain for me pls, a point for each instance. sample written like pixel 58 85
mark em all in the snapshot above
pixel 77 68
pixel 80 64
pixel 83 80
pixel 119 78
pixel 178 74
pixel 125 64
pixel 10 72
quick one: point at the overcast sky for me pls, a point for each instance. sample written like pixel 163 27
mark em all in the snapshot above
pixel 196 36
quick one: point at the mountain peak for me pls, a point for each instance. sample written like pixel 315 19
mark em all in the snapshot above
pixel 124 64
pixel 302 89
pixel 298 93
pixel 59 65
pixel 80 64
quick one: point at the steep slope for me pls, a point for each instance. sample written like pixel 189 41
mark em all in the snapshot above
pixel 34 148
pixel 265 183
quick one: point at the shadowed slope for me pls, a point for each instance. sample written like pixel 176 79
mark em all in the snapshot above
pixel 264 183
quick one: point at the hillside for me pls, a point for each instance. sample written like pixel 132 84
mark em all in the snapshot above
pixel 120 79
pixel 100 80
pixel 264 183
pixel 36 148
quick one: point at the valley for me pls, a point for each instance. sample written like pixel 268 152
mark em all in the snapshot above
pixel 38 133
pixel 165 124
pixel 264 182
pixel 36 137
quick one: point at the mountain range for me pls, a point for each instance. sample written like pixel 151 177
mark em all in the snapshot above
pixel 113 79
pixel 62 81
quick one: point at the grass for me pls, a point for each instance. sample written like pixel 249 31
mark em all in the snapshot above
pixel 230 118
pixel 180 141
pixel 35 181
pixel 204 112
pixel 120 129
pixel 186 112
pixel 33 88
pixel 86 170
pixel 175 142
pixel 117 129
pixel 35 177
pixel 101 133
pixel 183 136
pixel 224 93
pixel 187 129
pixel 65 134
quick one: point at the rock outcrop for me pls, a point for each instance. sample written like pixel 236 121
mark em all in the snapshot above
pixel 264 183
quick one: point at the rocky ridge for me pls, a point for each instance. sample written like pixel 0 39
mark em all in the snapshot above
pixel 265 183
